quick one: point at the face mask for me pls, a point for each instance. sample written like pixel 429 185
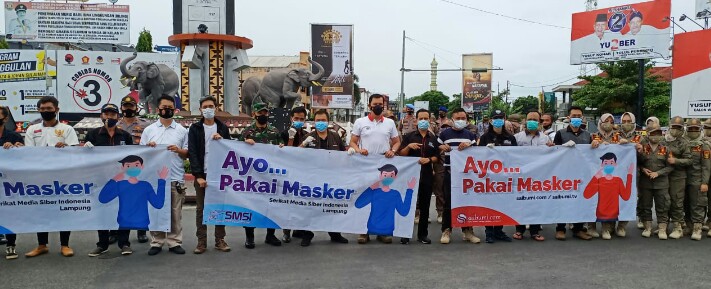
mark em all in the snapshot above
pixel 675 132
pixel 111 122
pixel 460 124
pixel 498 123
pixel 165 113
pixel 628 127
pixel 609 169
pixel 532 125
pixel 321 126
pixel 387 181
pixel 208 113
pixel 576 122
pixel 423 124
pixel 606 127
pixel 378 110
pixel 410 112
pixel 48 115
pixel 129 113
pixel 133 172
pixel 298 124
pixel 693 134
pixel 262 119
pixel 655 139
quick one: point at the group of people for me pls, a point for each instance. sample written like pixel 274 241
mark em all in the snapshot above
pixel 673 168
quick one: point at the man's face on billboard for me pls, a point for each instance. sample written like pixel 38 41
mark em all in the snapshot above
pixel 600 29
pixel 635 25
pixel 21 14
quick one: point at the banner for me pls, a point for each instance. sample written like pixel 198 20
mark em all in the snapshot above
pixel 67 22
pixel 691 75
pixel 23 80
pixel 105 188
pixel 306 189
pixel 332 48
pixel 476 86
pixel 633 31
pixel 543 185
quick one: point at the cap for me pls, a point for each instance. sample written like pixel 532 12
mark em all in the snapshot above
pixel 652 127
pixel 20 7
pixel 707 123
pixel 259 107
pixel 515 117
pixel 636 14
pixel 677 120
pixel 693 122
pixel 410 106
pixel 109 107
pixel 601 18
pixel 127 99
pixel 442 108
pixel 498 114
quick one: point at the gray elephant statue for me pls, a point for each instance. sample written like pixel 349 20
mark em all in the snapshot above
pixel 279 88
pixel 152 80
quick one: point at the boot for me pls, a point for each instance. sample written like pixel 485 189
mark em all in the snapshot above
pixel 621 232
pixel 606 229
pixel 201 246
pixel 662 231
pixel 686 228
pixel 677 232
pixel 696 232
pixel 470 237
pixel 592 230
pixel 647 229
pixel 640 223
pixel 446 236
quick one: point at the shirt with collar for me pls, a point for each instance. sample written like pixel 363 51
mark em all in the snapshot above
pixel 38 135
pixel 173 134
pixel 524 138
pixel 11 137
pixel 375 135
pixel 100 137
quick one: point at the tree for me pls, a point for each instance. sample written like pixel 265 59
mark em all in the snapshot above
pixel 523 105
pixel 455 103
pixel 436 98
pixel 356 90
pixel 3 44
pixel 145 41
pixel 499 102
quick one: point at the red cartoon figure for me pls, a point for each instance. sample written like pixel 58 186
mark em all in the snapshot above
pixel 609 189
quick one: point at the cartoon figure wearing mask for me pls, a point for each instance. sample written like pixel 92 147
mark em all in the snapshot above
pixel 385 201
pixel 134 195
pixel 609 189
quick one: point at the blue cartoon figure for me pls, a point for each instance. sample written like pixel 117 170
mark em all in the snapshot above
pixel 384 201
pixel 134 195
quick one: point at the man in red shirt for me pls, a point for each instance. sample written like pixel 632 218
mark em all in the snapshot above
pixel 609 189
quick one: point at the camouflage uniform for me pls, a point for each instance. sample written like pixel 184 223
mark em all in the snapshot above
pixel 697 176
pixel 654 191
pixel 266 135
pixel 678 149
pixel 632 137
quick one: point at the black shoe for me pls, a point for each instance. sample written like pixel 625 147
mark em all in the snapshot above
pixel 501 236
pixel 272 240
pixel 424 240
pixel 305 242
pixel 3 241
pixel 177 250
pixel 249 244
pixel 286 238
pixel 112 239
pixel 490 238
pixel 339 239
pixel 404 241
pixel 142 238
pixel 154 251
pixel 298 234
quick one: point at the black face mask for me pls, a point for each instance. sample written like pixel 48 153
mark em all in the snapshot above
pixel 129 113
pixel 442 114
pixel 378 110
pixel 111 122
pixel 165 113
pixel 262 119
pixel 48 115
pixel 410 112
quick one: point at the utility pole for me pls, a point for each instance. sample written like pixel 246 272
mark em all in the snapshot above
pixel 507 91
pixel 640 95
pixel 402 75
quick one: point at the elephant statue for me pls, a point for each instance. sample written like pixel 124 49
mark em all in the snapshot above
pixel 152 80
pixel 279 88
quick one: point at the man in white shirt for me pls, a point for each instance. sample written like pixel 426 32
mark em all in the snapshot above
pixel 168 132
pixel 50 132
pixel 374 135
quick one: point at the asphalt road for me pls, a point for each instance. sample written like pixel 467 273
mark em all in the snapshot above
pixel 633 262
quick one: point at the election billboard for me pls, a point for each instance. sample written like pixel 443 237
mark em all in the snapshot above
pixel 332 48
pixel 691 74
pixel 476 83
pixel 24 75
pixel 703 9
pixel 626 32
pixel 67 22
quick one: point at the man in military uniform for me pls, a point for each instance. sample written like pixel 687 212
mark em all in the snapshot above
pixel 697 177
pixel 260 131
pixel 653 185
pixel 680 159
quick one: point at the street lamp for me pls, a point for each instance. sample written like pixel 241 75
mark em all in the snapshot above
pixel 674 22
pixel 684 17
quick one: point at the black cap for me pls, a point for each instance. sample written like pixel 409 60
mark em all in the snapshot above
pixel 601 18
pixel 127 99
pixel 498 114
pixel 20 7
pixel 109 107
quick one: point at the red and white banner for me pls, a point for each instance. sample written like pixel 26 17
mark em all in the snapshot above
pixel 543 185
pixel 633 31
pixel 691 87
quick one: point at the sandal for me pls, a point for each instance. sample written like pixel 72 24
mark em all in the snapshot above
pixel 517 236
pixel 538 237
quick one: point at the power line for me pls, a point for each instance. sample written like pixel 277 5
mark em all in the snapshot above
pixel 553 84
pixel 435 53
pixel 505 16
pixel 448 51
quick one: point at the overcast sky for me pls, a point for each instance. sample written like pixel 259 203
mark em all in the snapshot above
pixel 531 55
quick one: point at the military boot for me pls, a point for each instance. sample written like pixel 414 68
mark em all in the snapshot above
pixel 696 232
pixel 640 223
pixel 662 233
pixel 620 230
pixel 606 229
pixel 686 228
pixel 647 229
pixel 677 232
pixel 592 230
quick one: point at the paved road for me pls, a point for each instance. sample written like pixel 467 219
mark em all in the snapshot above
pixel 633 262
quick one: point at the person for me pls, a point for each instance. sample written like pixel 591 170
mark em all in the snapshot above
pixel 439 125
pixel 610 189
pixel 707 140
pixel 606 135
pixel 168 132
pixel 374 135
pixel 679 159
pixel 627 134
pixel 422 144
pixel 408 123
pixel 600 25
pixel 697 177
pixel 483 126
pixel 460 138
pixel 50 132
pixel 131 123
pixel 200 135
pixel 109 135
pixel 653 183
pixel 570 136
pixel 443 120
pixel 471 126
pixel 513 124
pixel 547 125
pixel 9 139
pixel 498 135
pixel 292 137
pixel 20 25
pixel 532 136
pixel 323 139
pixel 260 131
pixel 636 22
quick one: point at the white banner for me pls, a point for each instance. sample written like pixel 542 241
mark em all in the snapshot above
pixel 692 75
pixel 306 189
pixel 103 188
pixel 543 185
pixel 23 80
pixel 67 22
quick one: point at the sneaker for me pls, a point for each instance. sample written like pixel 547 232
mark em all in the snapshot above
pixel 424 240
pixel 142 238
pixel 339 239
pixel 222 246
pixel 249 244
pixel 272 240
pixel 363 238
pixel 439 217
pixel 446 236
pixel 201 247
pixel 126 250
pixel 385 239
pixel 489 238
pixel 10 253
pixel 154 251
pixel 177 250
pixel 98 251
pixel 41 249
pixel 404 241
pixel 501 236
pixel 286 238
pixel 66 251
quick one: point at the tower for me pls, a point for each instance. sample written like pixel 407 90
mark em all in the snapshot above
pixel 433 74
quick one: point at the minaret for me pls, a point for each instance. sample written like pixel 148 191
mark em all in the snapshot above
pixel 433 75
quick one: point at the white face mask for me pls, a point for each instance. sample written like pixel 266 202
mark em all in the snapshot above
pixel 460 124
pixel 208 113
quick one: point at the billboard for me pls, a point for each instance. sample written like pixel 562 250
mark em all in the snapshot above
pixel 691 82
pixel 476 86
pixel 703 9
pixel 23 80
pixel 67 22
pixel 332 48
pixel 633 31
